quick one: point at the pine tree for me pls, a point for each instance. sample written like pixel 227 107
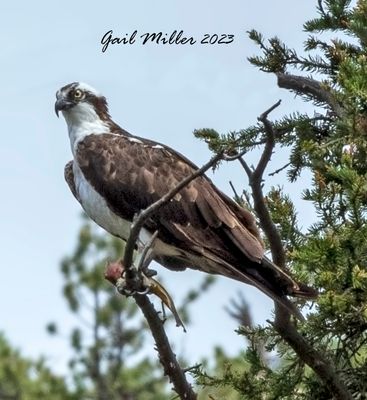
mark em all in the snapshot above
pixel 331 255
pixel 22 378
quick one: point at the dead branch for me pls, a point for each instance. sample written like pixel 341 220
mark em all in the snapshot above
pixel 255 180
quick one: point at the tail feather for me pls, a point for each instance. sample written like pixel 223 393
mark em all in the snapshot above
pixel 273 288
pixel 265 275
pixel 305 292
pixel 278 284
pixel 290 287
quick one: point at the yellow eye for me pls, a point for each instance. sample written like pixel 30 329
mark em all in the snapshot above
pixel 78 94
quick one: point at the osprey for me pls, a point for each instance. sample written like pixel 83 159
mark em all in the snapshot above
pixel 114 175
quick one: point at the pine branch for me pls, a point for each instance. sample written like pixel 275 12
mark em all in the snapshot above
pixel 282 324
pixel 307 86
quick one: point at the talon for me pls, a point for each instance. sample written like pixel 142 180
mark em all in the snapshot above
pixel 145 291
pixel 126 292
pixel 121 285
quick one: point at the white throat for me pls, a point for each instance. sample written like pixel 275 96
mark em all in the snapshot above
pixel 82 120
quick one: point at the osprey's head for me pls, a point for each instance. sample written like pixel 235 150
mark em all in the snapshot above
pixel 80 102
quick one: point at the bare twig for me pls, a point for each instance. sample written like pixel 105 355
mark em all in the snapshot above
pixel 234 190
pixel 269 145
pixel 239 310
pixel 245 167
pixel 282 324
pixel 279 169
pixel 193 367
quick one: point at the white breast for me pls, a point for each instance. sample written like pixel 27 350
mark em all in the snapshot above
pixel 96 207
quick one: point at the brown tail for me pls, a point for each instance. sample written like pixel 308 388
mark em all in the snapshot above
pixel 288 285
pixel 305 292
pixel 267 277
pixel 278 284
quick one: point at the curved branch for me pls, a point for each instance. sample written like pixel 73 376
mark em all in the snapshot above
pixel 307 86
pixel 282 324
pixel 255 180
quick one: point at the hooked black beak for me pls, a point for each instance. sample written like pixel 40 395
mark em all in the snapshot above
pixel 62 104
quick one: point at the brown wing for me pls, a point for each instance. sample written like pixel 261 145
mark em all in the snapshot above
pixel 213 232
pixel 69 177
pixel 131 174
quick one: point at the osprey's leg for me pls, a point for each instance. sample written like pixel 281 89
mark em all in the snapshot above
pixel 145 256
pixel 116 274
pixel 140 283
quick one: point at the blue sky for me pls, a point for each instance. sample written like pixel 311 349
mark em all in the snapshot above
pixel 160 92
